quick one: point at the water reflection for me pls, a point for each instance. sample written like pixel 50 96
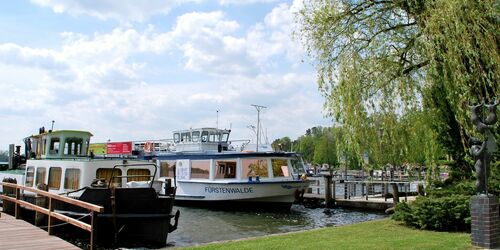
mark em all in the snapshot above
pixel 198 225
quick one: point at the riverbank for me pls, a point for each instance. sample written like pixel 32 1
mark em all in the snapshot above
pixel 377 234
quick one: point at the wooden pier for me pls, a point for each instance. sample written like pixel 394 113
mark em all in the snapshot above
pixel 52 216
pixel 19 234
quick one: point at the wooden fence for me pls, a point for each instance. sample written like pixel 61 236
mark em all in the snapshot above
pixel 52 215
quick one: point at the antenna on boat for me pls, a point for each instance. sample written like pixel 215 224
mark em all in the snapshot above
pixel 258 108
pixel 52 128
pixel 217 124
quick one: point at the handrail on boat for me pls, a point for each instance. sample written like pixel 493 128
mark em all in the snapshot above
pixel 94 209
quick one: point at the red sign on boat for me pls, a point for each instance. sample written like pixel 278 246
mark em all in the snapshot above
pixel 119 148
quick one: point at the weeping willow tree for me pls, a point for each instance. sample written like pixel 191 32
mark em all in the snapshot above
pixel 380 60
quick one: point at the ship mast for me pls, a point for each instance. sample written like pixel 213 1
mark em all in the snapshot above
pixel 258 108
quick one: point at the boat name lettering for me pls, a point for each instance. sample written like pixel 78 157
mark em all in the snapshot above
pixel 228 190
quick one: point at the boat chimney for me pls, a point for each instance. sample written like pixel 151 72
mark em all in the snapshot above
pixel 11 156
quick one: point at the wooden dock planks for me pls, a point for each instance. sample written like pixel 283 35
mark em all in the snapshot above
pixel 19 234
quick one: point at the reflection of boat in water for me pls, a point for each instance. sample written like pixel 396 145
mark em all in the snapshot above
pixel 137 207
pixel 210 171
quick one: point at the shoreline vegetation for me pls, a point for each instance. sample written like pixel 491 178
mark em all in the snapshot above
pixel 376 234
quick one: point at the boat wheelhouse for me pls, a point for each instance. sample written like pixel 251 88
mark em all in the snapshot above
pixel 137 206
pixel 211 171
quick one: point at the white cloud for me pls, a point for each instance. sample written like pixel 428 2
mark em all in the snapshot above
pixel 100 81
pixel 243 2
pixel 123 10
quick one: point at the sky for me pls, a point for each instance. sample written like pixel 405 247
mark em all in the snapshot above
pixel 137 70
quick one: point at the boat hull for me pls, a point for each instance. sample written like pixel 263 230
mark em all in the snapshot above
pixel 265 195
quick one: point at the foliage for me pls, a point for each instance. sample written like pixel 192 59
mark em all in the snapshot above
pixel 325 150
pixel 282 144
pixel 365 235
pixel 450 213
pixel 377 61
pixel 306 147
pixel 444 189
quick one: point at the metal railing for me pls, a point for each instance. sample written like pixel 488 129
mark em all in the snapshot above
pixel 52 215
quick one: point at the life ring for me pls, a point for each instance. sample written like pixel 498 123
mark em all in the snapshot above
pixel 148 147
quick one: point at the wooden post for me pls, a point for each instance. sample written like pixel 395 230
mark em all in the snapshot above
pixel 40 201
pixel 328 190
pixel 367 186
pixel 50 221
pixel 17 211
pixel 333 191
pixel 93 226
pixel 384 185
pixel 406 191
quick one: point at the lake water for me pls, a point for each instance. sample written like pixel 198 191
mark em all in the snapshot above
pixel 197 225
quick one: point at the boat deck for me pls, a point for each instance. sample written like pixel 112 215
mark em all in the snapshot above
pixel 19 234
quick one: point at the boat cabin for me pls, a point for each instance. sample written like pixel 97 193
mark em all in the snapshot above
pixel 201 139
pixel 57 144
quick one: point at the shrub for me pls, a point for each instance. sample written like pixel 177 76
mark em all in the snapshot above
pixel 450 213
pixel 463 188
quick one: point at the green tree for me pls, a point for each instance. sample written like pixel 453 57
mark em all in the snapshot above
pixel 325 150
pixel 385 57
pixel 306 147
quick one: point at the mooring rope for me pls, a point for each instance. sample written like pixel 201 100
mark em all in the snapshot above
pixel 62 224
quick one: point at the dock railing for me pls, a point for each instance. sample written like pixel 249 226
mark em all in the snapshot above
pixel 360 188
pixel 52 215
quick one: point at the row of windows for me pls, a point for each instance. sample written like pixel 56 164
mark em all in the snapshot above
pixel 72 176
pixel 72 146
pixel 200 169
pixel 205 136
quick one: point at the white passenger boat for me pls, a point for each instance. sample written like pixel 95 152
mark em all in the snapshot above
pixel 212 171
pixel 137 207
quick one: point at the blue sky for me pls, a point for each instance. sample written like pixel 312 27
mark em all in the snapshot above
pixel 136 70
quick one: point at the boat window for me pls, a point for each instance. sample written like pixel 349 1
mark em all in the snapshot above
pixel 44 146
pixel 204 136
pixel 225 137
pixel 138 174
pixel 54 145
pixel 297 165
pixel 40 176
pixel 87 144
pixel 176 137
pixel 30 174
pixel 195 136
pixel 72 179
pixel 254 167
pixel 73 146
pixel 105 173
pixel 167 168
pixel 55 178
pixel 200 169
pixel 225 169
pixel 280 167
pixel 214 136
pixel 186 137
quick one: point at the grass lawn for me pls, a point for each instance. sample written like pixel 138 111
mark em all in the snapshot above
pixel 379 234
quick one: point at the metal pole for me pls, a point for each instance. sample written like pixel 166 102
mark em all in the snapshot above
pixel 259 108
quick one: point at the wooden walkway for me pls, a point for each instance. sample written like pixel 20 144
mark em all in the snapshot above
pixel 373 202
pixel 19 234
